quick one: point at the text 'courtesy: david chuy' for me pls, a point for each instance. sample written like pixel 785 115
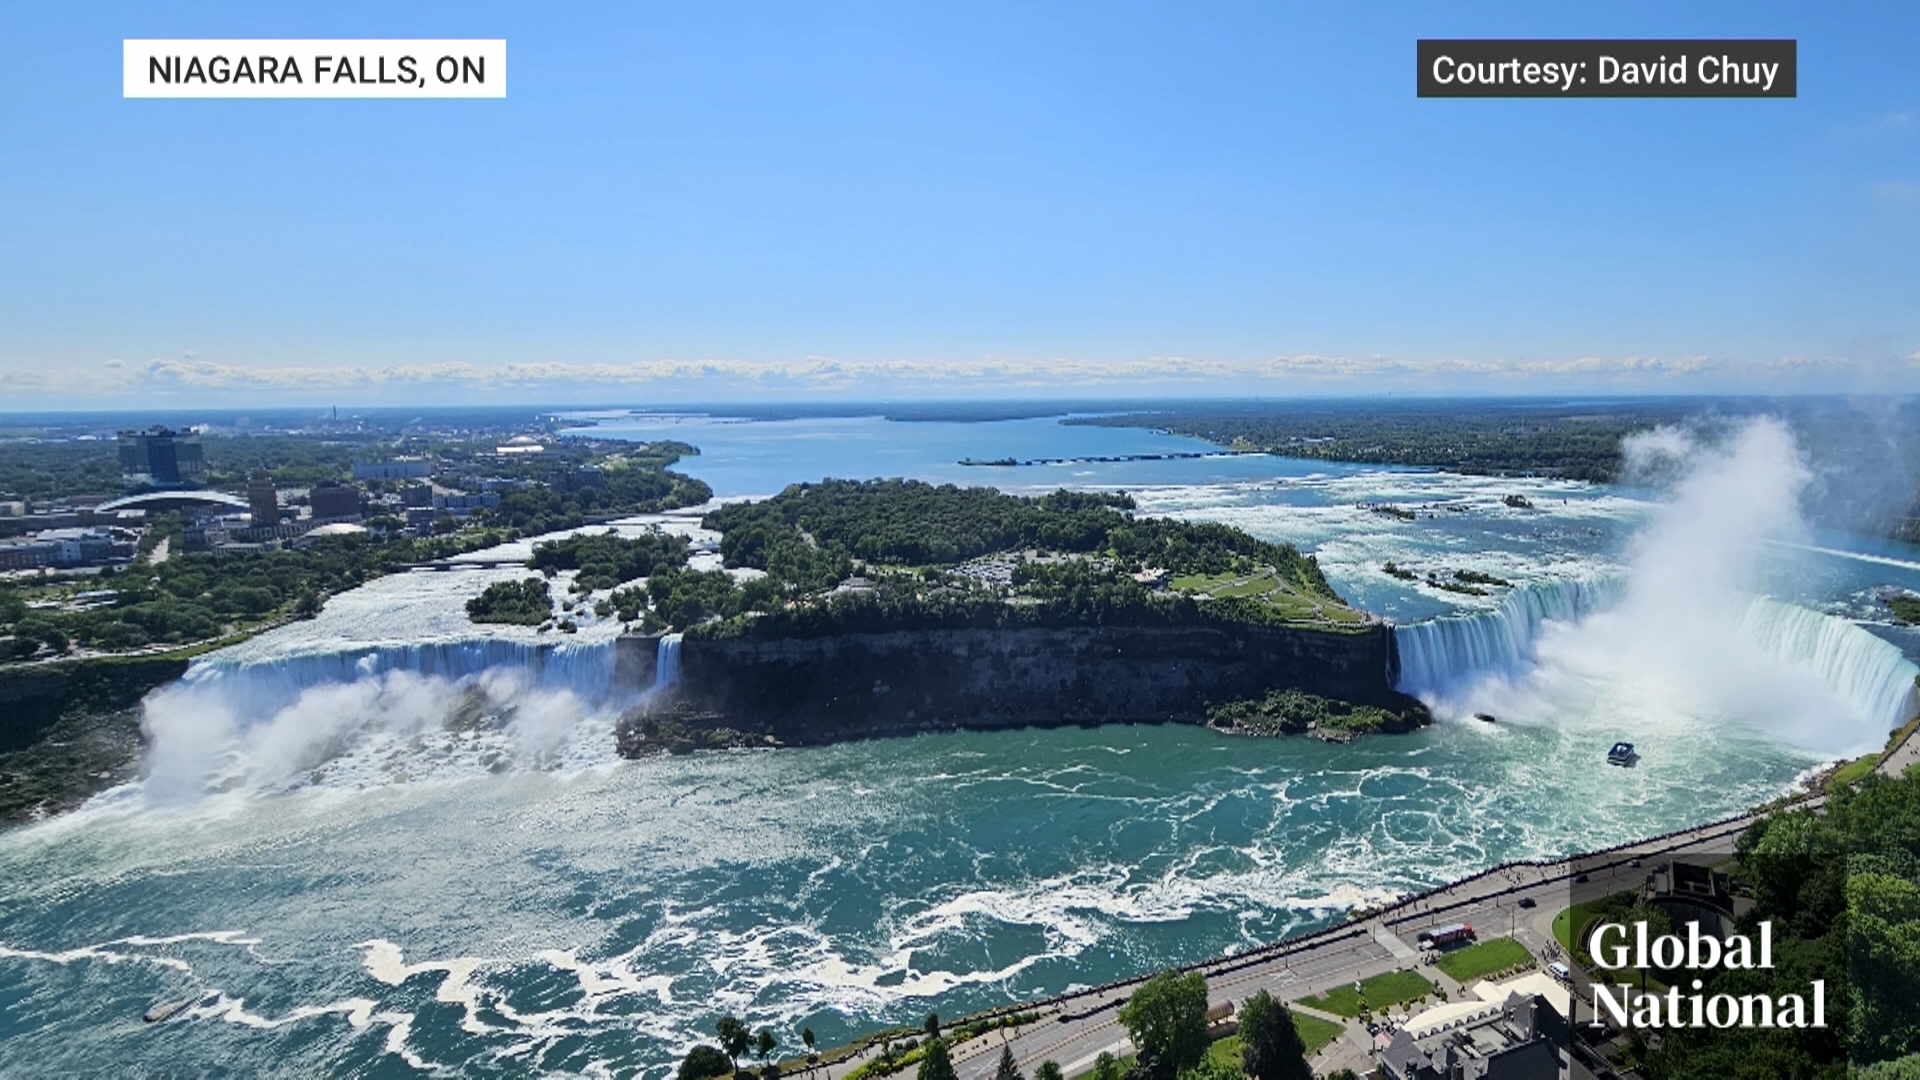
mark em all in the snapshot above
pixel 1617 69
pixel 314 68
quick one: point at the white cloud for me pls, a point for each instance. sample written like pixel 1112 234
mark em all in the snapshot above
pixel 192 375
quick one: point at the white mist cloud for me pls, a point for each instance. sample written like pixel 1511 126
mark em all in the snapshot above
pixel 1691 647
pixel 1699 558
pixel 220 733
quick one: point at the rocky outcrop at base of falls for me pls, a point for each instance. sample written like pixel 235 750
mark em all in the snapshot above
pixel 743 691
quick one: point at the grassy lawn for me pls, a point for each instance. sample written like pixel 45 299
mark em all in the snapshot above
pixel 1314 1031
pixel 1856 770
pixel 1563 930
pixel 1275 592
pixel 1569 929
pixel 1478 961
pixel 1852 772
pixel 1382 991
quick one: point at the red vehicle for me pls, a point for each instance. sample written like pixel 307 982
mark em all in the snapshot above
pixel 1442 936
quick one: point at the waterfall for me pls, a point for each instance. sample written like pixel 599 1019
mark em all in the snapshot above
pixel 1437 653
pixel 666 664
pixel 1868 672
pixel 270 716
pixel 259 685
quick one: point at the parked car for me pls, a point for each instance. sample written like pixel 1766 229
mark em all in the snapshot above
pixel 1526 901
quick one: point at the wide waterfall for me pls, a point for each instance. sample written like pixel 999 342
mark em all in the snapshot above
pixel 1871 674
pixel 1445 656
pixel 1437 653
pixel 260 684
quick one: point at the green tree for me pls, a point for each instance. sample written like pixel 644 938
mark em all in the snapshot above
pixel 1883 957
pixel 1906 1068
pixel 1048 1070
pixel 1211 1068
pixel 703 1062
pixel 1270 1046
pixel 935 1064
pixel 1106 1067
pixel 933 1024
pixel 1343 1073
pixel 806 1036
pixel 764 1044
pixel 1008 1069
pixel 1167 1019
pixel 734 1037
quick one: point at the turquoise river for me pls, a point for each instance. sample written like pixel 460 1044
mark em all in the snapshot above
pixel 347 874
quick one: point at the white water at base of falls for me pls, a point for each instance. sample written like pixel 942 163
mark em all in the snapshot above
pixel 1814 680
pixel 370 716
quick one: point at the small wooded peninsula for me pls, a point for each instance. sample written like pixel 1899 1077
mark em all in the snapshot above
pixel 850 609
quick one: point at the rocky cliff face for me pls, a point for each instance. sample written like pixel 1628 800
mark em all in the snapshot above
pixel 853 685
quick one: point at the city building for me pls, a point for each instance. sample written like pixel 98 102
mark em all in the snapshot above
pixel 520 444
pixel 1514 1031
pixel 25 554
pixel 162 456
pixel 576 479
pixel 66 547
pixel 263 502
pixel 460 505
pixel 400 469
pixel 1690 893
pixel 334 502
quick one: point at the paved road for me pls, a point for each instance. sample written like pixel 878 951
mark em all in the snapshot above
pixel 1074 1030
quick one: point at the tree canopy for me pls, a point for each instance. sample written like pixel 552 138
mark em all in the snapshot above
pixel 523 603
pixel 1167 1020
pixel 935 1063
pixel 844 556
pixel 608 559
pixel 1270 1046
pixel 1841 885
pixel 704 1062
pixel 1007 1068
pixel 733 1035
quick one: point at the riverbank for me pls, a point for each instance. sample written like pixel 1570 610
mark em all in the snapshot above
pixel 827 689
pixel 71 730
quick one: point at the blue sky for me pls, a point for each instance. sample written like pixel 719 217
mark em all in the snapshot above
pixel 704 201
